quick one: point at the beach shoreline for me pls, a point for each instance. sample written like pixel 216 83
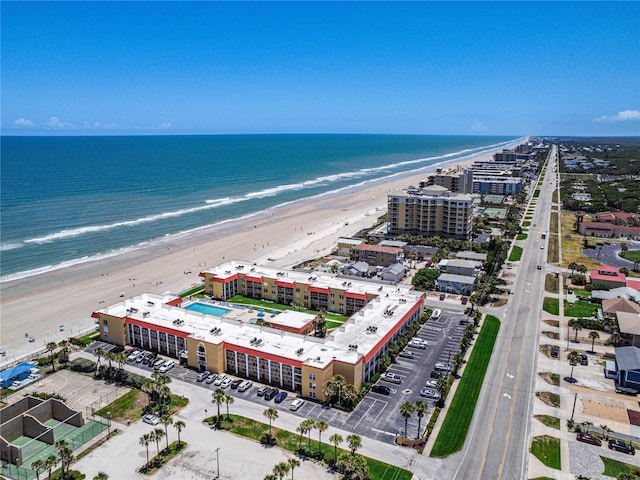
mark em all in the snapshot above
pixel 287 234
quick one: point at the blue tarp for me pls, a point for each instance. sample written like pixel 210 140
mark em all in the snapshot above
pixel 10 374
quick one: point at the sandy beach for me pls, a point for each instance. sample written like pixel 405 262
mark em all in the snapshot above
pixel 40 305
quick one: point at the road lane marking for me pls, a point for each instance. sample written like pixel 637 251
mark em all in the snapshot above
pixel 506 395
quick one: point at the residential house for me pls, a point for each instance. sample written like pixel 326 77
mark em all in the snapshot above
pixel 608 277
pixel 452 283
pixel 458 266
pixel 377 254
pixel 629 324
pixel 393 273
pixel 628 367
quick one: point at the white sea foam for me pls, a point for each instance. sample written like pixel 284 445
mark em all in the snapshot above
pixel 5 247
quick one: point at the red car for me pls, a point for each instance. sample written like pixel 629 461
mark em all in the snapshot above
pixel 586 438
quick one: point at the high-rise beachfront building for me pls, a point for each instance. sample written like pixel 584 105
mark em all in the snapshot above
pixel 430 211
pixel 457 182
pixel 274 346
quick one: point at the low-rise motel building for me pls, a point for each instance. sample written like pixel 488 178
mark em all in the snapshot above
pixel 265 345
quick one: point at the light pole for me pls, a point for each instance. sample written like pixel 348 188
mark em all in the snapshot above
pixel 217 462
pixel 109 422
pixel 206 413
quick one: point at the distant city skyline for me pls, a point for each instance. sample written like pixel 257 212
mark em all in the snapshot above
pixel 477 68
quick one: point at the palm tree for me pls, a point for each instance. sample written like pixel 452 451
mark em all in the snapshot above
pixel 355 442
pixel 228 399
pixel 593 335
pixel 321 426
pixel 271 414
pixel 50 462
pixel 605 431
pixel 51 346
pixel 349 393
pixel 101 476
pixel 406 409
pixel 218 399
pixel 293 463
pixel 145 440
pixel 574 359
pixel 302 430
pixel 581 268
pixel 336 439
pixel 441 384
pixel 281 469
pixel 270 476
pixel 158 433
pixel 624 248
pixel 65 454
pixel 576 324
pixel 586 426
pixel 421 409
pixel 166 420
pixel 37 466
pixel 572 266
pixel 99 353
pixel 614 339
pixel 179 426
pixel 310 425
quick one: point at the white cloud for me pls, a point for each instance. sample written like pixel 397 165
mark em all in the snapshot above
pixel 23 122
pixel 99 125
pixel 55 122
pixel 624 116
pixel 478 126
pixel 164 125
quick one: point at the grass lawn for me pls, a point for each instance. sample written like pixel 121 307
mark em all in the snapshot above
pixel 549 421
pixel 526 224
pixel 454 428
pixel 547 449
pixel 536 193
pixel 551 283
pixel 240 300
pixel 254 430
pixel 572 244
pixel 580 309
pixel 550 378
pixel 613 468
pixel 553 224
pixel 551 305
pixel 553 255
pixel 516 254
pixel 88 338
pixel 631 255
pixel 548 398
pixel 129 406
pixel 522 236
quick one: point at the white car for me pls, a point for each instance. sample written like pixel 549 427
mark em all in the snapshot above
pixel 151 419
pixel 443 367
pixel 244 386
pixel 220 379
pixel 296 404
pixel 391 377
pixel 226 383
pixel 431 384
pixel 431 394
pixel 166 366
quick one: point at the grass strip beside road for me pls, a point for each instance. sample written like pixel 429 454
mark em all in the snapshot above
pixel 613 468
pixel 551 305
pixel 516 254
pixel 547 449
pixel 456 424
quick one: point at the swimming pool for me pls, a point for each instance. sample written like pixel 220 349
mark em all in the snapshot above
pixel 208 309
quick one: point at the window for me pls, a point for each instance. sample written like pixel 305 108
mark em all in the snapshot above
pixel 312 385
pixel 312 394
pixel 105 321
pixel 312 376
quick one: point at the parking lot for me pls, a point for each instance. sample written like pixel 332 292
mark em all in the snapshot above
pixel 378 415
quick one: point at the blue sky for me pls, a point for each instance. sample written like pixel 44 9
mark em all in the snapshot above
pixel 490 68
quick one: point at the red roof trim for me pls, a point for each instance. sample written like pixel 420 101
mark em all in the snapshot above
pixel 280 283
pixel 358 296
pixel 158 328
pixel 319 290
pixel 249 278
pixel 264 355
pixel 225 280
pixel 174 302
pixel 95 315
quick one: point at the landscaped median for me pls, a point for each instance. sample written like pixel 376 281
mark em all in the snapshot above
pixel 453 431
pixel 516 254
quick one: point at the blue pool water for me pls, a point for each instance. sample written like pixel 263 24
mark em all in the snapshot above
pixel 208 309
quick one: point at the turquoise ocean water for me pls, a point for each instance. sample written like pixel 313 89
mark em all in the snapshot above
pixel 70 199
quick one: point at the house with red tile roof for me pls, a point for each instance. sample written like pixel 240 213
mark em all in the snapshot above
pixel 609 277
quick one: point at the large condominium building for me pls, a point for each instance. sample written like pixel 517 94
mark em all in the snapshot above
pixel 458 182
pixel 430 211
pixel 269 345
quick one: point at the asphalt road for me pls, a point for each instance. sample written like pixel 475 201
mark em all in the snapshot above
pixel 498 440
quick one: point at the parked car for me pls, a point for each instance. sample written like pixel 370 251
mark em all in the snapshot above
pixel 262 390
pixel 444 367
pixel 221 378
pixel 406 354
pixel 587 438
pixel 437 374
pixel 554 351
pixel 226 383
pixel 431 384
pixel 420 345
pixel 244 386
pixel 202 376
pixel 296 404
pixel 167 366
pixel 151 419
pixel 211 378
pixel 280 397
pixel 158 363
pixel 391 377
pixel 430 394
pixel 272 392
pixel 134 355
pixel 236 383
pixel 584 360
pixel 383 389
pixel 620 446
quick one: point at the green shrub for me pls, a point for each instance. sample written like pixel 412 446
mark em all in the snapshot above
pixel 83 365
